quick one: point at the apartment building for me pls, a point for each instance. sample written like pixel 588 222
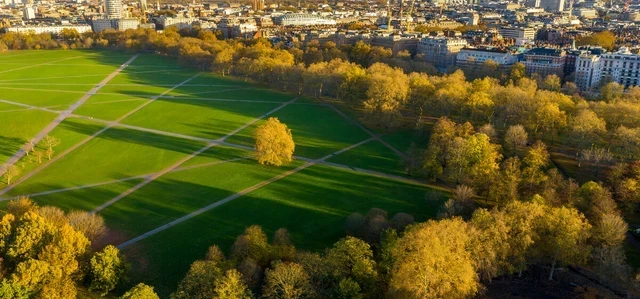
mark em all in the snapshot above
pixel 441 51
pixel 544 62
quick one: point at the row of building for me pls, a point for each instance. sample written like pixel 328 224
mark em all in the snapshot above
pixel 588 67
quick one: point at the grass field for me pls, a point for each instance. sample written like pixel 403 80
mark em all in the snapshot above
pixel 167 113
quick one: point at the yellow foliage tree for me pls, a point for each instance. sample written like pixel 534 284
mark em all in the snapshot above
pixel 274 143
pixel 432 261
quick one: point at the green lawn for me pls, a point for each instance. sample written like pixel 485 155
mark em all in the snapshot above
pixel 207 119
pixel 109 107
pixel 85 199
pixel 317 130
pixel 40 98
pixel 68 134
pixel 311 204
pixel 114 154
pixel 372 155
pixel 179 193
pixel 18 127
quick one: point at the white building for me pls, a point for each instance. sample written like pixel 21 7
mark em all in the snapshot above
pixel 28 13
pixel 113 8
pixel 180 22
pixel 301 19
pixel 124 24
pixel 517 32
pixel 55 29
pixel 588 71
pixel 622 67
pixel 100 25
pixel 473 56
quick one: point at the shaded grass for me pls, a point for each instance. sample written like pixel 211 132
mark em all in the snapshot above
pixel 116 153
pixel 311 204
pixel 40 98
pixel 85 199
pixel 112 109
pixel 18 127
pixel 179 193
pixel 317 130
pixel 216 154
pixel 68 135
pixel 207 119
pixel 372 155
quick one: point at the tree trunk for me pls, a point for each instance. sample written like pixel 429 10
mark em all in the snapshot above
pixel 553 267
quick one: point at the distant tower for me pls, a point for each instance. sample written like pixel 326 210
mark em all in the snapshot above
pixel 258 5
pixel 143 5
pixel 113 8
pixel 157 5
pixel 28 13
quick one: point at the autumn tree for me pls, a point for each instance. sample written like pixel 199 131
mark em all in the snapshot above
pixel 535 161
pixel 516 138
pixel 489 242
pixel 200 281
pixel 274 143
pixel 611 91
pixel 587 127
pixel 10 172
pixel 352 257
pixel 387 92
pixel 505 188
pixel 39 255
pixel 140 291
pixel 231 286
pixel 107 269
pixel 90 224
pixel 432 262
pixel 287 281
pixel 50 142
pixel 563 234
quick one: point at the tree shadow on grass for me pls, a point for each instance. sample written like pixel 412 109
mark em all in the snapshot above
pixel 126 135
pixel 313 210
pixel 9 146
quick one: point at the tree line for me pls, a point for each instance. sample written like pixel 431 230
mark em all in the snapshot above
pixel 399 258
pixel 47 253
pixel 396 91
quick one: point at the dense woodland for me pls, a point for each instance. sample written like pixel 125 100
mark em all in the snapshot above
pixel 490 137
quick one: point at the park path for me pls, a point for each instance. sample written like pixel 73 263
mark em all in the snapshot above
pixel 48 192
pixel 39 64
pixel 375 136
pixel 75 146
pixel 239 194
pixel 187 158
pixel 46 130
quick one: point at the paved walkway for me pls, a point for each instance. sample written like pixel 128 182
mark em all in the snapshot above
pixel 187 158
pixel 39 64
pixel 109 125
pixel 375 136
pixel 46 130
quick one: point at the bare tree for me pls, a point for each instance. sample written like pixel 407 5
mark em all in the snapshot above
pixel 29 148
pixel 597 157
pixel 50 142
pixel 49 153
pixel 39 155
pixel 11 172
pixel 516 138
